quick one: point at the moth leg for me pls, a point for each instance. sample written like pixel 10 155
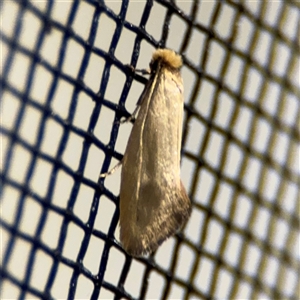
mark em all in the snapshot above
pixel 132 117
pixel 111 171
pixel 142 71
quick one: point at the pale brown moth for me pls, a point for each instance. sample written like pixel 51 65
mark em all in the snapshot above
pixel 153 202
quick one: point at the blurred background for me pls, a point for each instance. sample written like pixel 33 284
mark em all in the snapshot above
pixel 65 82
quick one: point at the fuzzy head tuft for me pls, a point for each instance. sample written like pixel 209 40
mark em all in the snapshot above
pixel 168 57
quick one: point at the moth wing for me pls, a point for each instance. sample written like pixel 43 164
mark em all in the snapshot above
pixel 153 201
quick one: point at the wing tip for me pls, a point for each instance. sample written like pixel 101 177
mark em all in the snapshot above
pixel 141 241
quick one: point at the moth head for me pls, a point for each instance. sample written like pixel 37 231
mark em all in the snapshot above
pixel 167 57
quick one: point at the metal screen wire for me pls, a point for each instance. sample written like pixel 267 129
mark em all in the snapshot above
pixel 65 84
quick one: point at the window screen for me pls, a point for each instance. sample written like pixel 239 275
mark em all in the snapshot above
pixel 65 85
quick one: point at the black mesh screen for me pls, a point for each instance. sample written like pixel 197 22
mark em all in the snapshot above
pixel 65 82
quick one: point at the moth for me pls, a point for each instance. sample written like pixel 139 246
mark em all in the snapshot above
pixel 153 202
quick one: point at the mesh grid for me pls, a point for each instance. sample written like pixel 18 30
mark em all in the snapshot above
pixel 240 149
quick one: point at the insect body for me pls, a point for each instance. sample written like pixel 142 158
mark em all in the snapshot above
pixel 153 201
